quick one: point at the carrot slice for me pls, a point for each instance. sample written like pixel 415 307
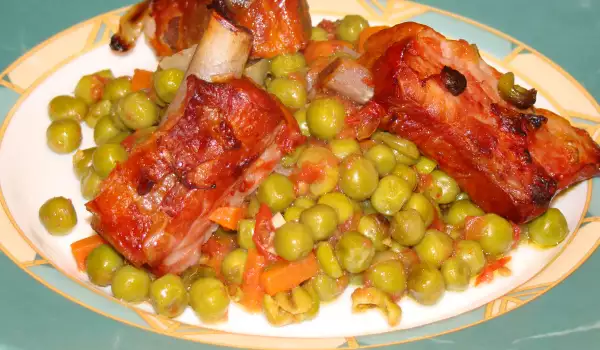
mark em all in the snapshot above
pixel 142 79
pixel 284 276
pixel 252 292
pixel 366 34
pixel 82 248
pixel 228 217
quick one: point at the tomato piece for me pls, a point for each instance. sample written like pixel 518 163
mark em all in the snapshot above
pixel 264 233
pixel 487 275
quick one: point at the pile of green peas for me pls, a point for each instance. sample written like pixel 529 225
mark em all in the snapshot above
pixel 381 216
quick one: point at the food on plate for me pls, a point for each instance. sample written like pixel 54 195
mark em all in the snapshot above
pixel 277 27
pixel 273 165
pixel 58 216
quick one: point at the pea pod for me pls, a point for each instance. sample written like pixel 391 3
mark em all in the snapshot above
pixel 328 261
pixel 364 299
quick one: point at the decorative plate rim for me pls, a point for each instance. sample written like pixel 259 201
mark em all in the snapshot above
pixel 24 94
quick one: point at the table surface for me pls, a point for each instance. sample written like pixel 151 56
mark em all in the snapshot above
pixel 568 32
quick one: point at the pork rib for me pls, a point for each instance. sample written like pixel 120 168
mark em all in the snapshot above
pixel 278 26
pixel 510 161
pixel 219 141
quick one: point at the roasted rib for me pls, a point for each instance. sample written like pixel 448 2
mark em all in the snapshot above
pixel 278 26
pixel 510 161
pixel 219 140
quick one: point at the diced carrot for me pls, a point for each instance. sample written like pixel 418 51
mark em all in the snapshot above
pixel 82 248
pixel 252 292
pixel 284 275
pixel 142 79
pixel 317 49
pixel 366 34
pixel 228 217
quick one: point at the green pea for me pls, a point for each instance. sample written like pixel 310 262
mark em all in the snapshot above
pixel 322 157
pixel 426 284
pixel 423 206
pixel 434 248
pixel 321 219
pixel 97 110
pixel 456 274
pixel 120 137
pixel 328 261
pixel 284 65
pixel 138 111
pixel 293 241
pixel 403 159
pixel 391 194
pixel 167 82
pixel 58 216
pixel 358 177
pixel 549 229
pixel 106 157
pixel 403 146
pixel 327 183
pixel 388 276
pixel 367 208
pixel 354 252
pixel 300 116
pixel 304 202
pixel 290 160
pixel 90 185
pixel 276 191
pixel 407 227
pixel 325 118
pixel 425 165
pixel 383 158
pixel 82 162
pixel 169 296
pixel 67 107
pixel 115 114
pixel 293 214
pixel 495 234
pixel 245 233
pixel 63 136
pixel 290 92
pixel 319 34
pixel 350 27
pixel 105 130
pixel 344 147
pixel 131 284
pixel 327 288
pixel 376 228
pixel 233 266
pixel 196 272
pixel 340 203
pixel 407 174
pixel 117 88
pixel 442 188
pixel 462 196
pixel 90 88
pixel 459 211
pixel 471 253
pixel 253 206
pixel 101 265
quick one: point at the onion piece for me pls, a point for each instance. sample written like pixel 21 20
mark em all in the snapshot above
pixel 181 60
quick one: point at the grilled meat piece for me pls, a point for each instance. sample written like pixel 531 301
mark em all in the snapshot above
pixel 510 161
pixel 219 140
pixel 278 26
